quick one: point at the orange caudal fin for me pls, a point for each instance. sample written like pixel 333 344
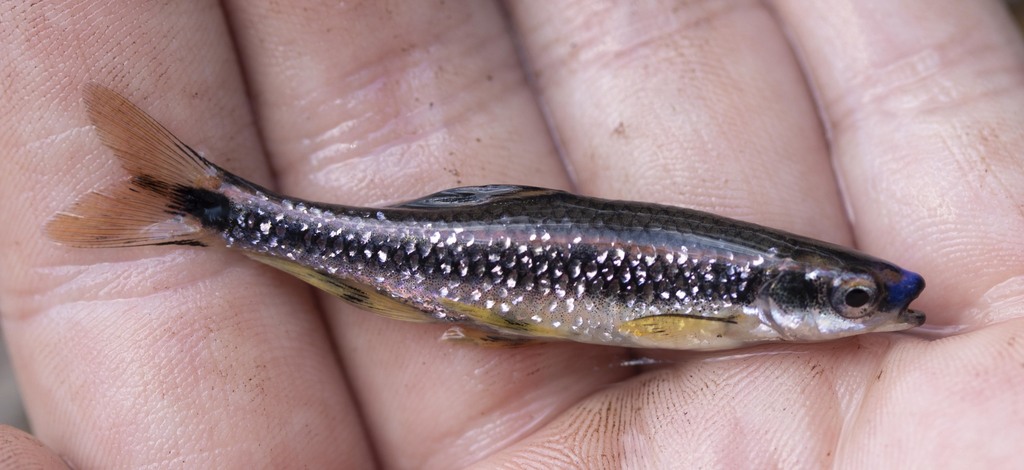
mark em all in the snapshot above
pixel 171 197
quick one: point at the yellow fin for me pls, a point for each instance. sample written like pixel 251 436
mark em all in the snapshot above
pixel 678 331
pixel 362 295
pixel 491 319
pixel 487 339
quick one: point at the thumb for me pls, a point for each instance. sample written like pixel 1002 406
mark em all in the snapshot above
pixel 19 449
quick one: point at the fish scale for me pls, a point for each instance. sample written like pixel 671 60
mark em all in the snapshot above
pixel 547 260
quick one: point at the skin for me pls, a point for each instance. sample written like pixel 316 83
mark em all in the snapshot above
pixel 894 127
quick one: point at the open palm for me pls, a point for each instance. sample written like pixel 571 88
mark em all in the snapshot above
pixel 197 357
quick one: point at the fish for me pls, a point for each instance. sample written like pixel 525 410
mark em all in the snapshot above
pixel 501 265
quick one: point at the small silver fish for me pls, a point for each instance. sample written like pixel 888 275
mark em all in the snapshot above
pixel 501 264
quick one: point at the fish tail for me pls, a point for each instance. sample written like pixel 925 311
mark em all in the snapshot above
pixel 172 197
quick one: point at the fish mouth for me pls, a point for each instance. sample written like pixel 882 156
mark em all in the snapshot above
pixel 902 292
pixel 912 317
pixel 906 320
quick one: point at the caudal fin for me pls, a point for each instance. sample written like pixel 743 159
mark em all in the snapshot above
pixel 170 192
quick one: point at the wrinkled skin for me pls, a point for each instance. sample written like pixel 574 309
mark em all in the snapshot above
pixel 175 357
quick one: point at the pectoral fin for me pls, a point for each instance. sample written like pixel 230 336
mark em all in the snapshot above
pixel 362 295
pixel 676 331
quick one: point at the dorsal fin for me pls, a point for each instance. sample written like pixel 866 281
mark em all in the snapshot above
pixel 477 195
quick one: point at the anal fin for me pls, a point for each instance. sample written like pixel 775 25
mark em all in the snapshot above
pixel 490 319
pixel 361 295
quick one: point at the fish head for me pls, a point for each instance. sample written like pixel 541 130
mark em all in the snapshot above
pixel 820 301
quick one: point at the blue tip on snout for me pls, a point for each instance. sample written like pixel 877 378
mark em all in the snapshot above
pixel 906 289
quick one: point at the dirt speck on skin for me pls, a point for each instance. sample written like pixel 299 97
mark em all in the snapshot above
pixel 817 370
pixel 620 130
pixel 454 172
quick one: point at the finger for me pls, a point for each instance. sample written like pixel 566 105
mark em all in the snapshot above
pixel 927 129
pixel 698 104
pixel 923 99
pixel 152 356
pixel 19 449
pixel 391 102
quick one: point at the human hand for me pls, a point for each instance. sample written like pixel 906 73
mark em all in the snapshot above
pixel 199 358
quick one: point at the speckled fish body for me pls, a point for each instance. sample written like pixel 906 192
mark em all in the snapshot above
pixel 505 262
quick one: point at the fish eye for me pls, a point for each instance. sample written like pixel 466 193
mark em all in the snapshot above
pixel 854 296
pixel 857 297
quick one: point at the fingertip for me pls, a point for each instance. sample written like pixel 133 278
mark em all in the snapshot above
pixel 19 449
